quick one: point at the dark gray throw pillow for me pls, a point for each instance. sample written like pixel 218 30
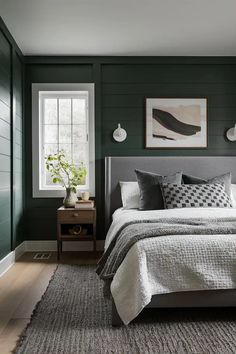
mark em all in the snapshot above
pixel 225 179
pixel 195 196
pixel 150 191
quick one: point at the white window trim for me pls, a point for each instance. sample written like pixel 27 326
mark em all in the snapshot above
pixel 36 88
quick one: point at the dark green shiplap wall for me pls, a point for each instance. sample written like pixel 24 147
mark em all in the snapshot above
pixel 121 87
pixel 11 143
pixel 41 213
pixel 17 161
pixel 125 87
pixel 5 146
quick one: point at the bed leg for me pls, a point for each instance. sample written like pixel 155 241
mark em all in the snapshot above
pixel 116 320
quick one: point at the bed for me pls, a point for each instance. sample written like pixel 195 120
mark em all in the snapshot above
pixel 132 289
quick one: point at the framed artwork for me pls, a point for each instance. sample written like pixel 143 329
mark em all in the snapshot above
pixel 176 123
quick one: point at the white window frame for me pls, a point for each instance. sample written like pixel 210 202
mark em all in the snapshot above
pixel 58 191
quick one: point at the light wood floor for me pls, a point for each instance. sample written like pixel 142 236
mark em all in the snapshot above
pixel 23 286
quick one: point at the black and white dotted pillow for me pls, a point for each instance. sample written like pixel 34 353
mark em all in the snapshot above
pixel 195 196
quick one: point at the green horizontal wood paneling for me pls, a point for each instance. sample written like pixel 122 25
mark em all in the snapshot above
pixel 5 112
pixel 11 116
pixel 5 129
pixel 5 163
pixel 5 243
pixel 18 192
pixel 135 141
pixel 5 92
pixel 122 84
pixel 39 211
pixel 5 198
pixel 134 127
pixel 151 89
pixel 136 101
pixel 169 74
pixel 116 151
pixel 137 113
pixel 60 73
pixel 5 146
pixel 5 180
pixel 5 210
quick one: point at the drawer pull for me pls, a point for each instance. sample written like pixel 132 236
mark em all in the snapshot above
pixel 75 214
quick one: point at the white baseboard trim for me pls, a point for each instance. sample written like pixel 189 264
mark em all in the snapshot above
pixel 19 250
pixel 45 246
pixel 50 246
pixel 10 258
pixel 7 262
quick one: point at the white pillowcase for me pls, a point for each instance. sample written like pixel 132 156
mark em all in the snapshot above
pixel 233 195
pixel 130 195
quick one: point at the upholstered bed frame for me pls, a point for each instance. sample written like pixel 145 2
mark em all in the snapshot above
pixel 122 169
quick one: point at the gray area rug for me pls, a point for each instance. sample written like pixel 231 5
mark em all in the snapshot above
pixel 73 317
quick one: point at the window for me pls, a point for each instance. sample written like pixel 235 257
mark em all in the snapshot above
pixel 63 119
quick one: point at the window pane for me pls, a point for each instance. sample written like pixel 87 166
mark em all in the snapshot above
pixel 48 178
pixel 50 149
pixel 64 133
pixel 80 153
pixel 50 133
pixel 63 126
pixel 79 133
pixel 50 111
pixel 67 149
pixel 79 111
pixel 64 111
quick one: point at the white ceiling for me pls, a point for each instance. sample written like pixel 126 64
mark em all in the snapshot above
pixel 122 27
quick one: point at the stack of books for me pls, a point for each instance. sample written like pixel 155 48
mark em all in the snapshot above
pixel 84 204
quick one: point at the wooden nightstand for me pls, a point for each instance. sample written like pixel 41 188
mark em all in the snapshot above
pixel 67 218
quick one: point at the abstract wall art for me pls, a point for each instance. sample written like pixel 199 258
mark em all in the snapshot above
pixel 176 123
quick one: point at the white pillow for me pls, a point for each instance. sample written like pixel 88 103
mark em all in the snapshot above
pixel 130 195
pixel 233 195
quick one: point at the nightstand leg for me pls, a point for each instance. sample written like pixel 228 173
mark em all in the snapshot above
pixel 58 250
pixel 94 245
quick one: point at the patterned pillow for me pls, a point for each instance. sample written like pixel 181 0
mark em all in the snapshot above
pixel 225 178
pixel 195 196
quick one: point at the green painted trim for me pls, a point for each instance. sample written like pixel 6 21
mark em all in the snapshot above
pixel 97 76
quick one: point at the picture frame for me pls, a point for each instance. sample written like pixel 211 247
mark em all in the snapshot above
pixel 176 123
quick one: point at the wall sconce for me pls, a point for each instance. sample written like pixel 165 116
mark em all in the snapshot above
pixel 231 134
pixel 119 134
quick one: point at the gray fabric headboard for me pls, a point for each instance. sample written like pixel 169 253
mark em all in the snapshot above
pixel 122 169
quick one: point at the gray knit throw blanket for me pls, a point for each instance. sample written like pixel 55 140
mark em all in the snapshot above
pixel 134 231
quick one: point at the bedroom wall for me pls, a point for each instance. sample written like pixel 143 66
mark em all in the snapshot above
pixel 11 143
pixel 121 87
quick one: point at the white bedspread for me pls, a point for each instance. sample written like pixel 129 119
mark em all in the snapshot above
pixel 171 263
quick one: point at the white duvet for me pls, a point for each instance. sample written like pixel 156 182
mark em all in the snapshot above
pixel 168 264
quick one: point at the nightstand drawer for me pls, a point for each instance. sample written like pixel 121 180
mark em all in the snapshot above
pixel 73 216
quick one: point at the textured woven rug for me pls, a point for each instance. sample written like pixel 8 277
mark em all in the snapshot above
pixel 73 317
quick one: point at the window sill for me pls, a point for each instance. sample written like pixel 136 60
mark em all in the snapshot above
pixel 57 193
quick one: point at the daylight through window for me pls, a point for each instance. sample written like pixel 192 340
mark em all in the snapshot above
pixel 64 124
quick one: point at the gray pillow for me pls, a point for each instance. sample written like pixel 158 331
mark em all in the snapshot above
pixel 225 179
pixel 195 196
pixel 150 191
